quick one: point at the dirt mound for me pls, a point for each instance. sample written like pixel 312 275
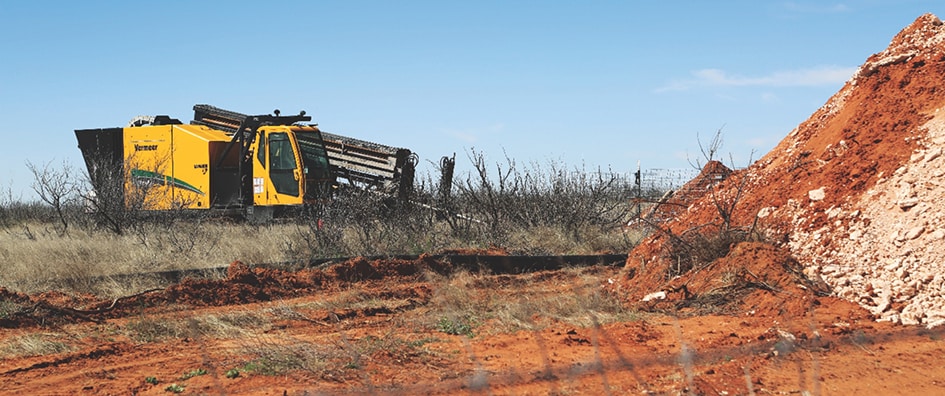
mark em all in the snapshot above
pixel 243 284
pixel 675 202
pixel 851 191
pixel 755 279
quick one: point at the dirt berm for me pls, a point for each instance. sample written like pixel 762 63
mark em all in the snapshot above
pixel 852 194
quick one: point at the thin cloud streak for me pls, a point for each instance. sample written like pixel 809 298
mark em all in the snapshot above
pixel 827 75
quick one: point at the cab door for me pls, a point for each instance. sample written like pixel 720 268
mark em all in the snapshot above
pixel 277 176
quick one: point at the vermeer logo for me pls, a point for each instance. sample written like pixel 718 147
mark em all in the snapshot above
pixel 145 147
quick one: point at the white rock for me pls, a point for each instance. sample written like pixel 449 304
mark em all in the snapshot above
pixel 893 265
pixel 935 323
pixel 908 292
pixel 660 295
pixel 902 273
pixel 817 195
pixel 829 269
pixel 833 212
pixel 907 203
pixel 933 154
pixel 925 278
pixel 896 236
pixel 914 233
pixel 912 314
pixel 882 304
pixel 764 212
pixel 855 234
pixel 937 234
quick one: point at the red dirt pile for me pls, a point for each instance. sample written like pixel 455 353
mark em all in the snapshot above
pixel 675 202
pixel 850 192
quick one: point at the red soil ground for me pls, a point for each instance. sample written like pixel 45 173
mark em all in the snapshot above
pixel 757 320
pixel 785 339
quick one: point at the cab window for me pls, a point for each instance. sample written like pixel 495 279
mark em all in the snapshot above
pixel 282 164
pixel 261 153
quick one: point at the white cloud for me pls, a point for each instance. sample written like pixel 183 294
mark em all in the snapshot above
pixel 825 75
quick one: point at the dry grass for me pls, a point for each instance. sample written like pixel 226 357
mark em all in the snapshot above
pixel 353 298
pixel 464 301
pixel 79 261
pixel 335 359
pixel 34 344
pixel 39 258
pixel 232 325
pixel 273 356
pixel 544 240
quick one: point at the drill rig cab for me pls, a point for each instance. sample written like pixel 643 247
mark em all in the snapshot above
pixel 259 166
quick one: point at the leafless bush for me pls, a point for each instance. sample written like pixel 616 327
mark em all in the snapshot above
pixel 708 149
pixel 698 246
pixel 114 201
pixel 578 206
pixel 539 210
pixel 57 188
pixel 515 199
pixel 363 222
pixel 16 214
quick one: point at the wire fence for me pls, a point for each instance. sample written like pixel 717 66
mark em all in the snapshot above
pixel 653 183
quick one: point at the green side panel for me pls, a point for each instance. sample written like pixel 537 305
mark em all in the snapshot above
pixel 143 176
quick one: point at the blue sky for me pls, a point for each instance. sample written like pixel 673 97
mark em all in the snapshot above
pixel 589 84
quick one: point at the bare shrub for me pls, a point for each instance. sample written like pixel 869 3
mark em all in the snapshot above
pixel 116 202
pixel 515 199
pixel 57 188
pixel 698 246
pixel 539 210
pixel 363 222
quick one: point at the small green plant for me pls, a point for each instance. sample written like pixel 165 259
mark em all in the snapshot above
pixel 232 373
pixel 193 373
pixel 456 326
pixel 151 380
pixel 421 342
pixel 175 388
